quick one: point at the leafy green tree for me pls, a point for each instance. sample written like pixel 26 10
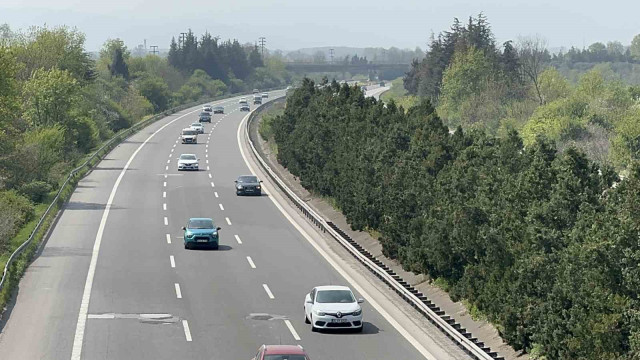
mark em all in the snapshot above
pixel 156 90
pixel 635 47
pixel 553 85
pixel 118 66
pixel 255 59
pixel 49 97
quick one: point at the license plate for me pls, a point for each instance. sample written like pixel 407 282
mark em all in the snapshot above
pixel 339 320
pixel 202 240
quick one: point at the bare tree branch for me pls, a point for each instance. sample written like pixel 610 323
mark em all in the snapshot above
pixel 533 54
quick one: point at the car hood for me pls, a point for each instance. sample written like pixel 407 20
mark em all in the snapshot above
pixel 202 232
pixel 187 161
pixel 335 307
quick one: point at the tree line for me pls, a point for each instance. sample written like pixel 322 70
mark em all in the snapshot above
pixel 543 242
pixel 520 86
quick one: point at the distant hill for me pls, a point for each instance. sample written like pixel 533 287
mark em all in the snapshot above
pixel 390 55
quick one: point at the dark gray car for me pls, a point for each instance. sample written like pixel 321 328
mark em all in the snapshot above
pixel 248 185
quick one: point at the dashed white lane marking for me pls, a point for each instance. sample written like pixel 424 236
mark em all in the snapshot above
pixel 165 184
pixel 168 239
pixel 178 292
pixel 212 184
pixel 207 163
pixel 292 330
pixel 253 266
pixel 166 168
pixel 102 316
pixel 172 261
pixel 266 288
pixel 187 332
pixel 238 239
pixel 164 206
pixel 210 176
pixel 206 155
pixel 166 221
pixel 169 161
pixel 228 221
pixel 170 155
pixel 172 150
pixel 221 207
pixel 164 194
pixel 165 176
pixel 208 144
pixel 207 168
pixel 78 340
pixel 206 150
pixel 215 193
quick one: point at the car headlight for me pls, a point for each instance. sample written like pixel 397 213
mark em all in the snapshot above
pixel 319 313
pixel 258 187
pixel 357 312
pixel 189 236
pixel 240 187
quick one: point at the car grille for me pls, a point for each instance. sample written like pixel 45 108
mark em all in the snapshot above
pixel 335 315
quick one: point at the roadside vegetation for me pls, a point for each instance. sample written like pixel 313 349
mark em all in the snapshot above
pixel 583 98
pixel 58 104
pixel 536 240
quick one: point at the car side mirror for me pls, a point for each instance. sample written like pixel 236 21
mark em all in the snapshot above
pixel 218 228
pixel 184 228
pixel 360 301
pixel 308 300
pixel 260 180
pixel 235 181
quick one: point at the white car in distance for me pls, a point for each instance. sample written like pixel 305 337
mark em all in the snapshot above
pixel 333 307
pixel 207 108
pixel 188 162
pixel 198 127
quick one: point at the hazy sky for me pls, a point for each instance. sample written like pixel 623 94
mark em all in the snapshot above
pixel 293 24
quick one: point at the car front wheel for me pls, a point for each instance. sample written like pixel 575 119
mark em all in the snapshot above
pixel 313 326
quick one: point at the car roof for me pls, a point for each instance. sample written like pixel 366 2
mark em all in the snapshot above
pixel 332 287
pixel 196 123
pixel 188 154
pixel 190 219
pixel 283 350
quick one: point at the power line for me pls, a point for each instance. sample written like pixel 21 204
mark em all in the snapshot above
pixel 263 40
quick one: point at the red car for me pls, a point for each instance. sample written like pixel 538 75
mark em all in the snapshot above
pixel 281 352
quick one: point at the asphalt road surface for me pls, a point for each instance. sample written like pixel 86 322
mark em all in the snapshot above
pixel 115 282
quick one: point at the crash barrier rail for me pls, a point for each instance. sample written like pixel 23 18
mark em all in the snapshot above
pixel 465 340
pixel 90 162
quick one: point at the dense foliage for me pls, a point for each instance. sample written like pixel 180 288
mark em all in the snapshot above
pixel 579 98
pixel 539 241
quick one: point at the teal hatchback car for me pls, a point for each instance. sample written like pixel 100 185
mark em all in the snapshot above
pixel 201 232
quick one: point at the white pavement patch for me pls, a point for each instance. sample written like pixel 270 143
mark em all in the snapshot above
pixel 228 220
pixel 269 293
pixel 416 344
pixel 168 239
pixel 178 292
pixel 253 266
pixel 78 340
pixel 187 332
pixel 238 239
pixel 172 260
pixel 293 331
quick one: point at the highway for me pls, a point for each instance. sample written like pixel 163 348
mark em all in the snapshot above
pixel 114 281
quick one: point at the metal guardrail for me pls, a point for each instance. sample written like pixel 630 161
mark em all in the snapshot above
pixel 116 139
pixel 451 329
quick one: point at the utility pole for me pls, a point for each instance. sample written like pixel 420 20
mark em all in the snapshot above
pixel 154 49
pixel 181 41
pixel 263 40
pixel 331 55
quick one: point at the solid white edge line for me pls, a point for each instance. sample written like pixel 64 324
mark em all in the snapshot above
pixel 253 266
pixel 168 239
pixel 228 220
pixel 269 293
pixel 78 339
pixel 417 345
pixel 187 332
pixel 221 207
pixel 178 292
pixel 238 239
pixel 172 260
pixel 292 330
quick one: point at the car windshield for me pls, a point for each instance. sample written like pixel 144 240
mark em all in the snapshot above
pixel 201 224
pixel 218 108
pixel 187 157
pixel 247 179
pixel 204 114
pixel 188 132
pixel 335 296
pixel 285 357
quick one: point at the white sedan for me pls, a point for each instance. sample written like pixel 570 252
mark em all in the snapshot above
pixel 188 162
pixel 333 307
pixel 198 127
